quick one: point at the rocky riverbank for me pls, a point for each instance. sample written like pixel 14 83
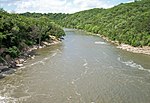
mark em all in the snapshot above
pixel 142 50
pixel 11 65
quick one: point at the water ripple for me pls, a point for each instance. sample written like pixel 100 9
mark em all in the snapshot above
pixel 133 64
pixel 99 42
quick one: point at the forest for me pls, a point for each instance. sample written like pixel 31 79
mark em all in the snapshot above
pixel 127 23
pixel 17 33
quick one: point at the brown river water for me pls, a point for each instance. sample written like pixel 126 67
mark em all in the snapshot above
pixel 82 69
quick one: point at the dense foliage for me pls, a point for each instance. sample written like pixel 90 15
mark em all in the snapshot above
pixel 127 23
pixel 56 17
pixel 18 32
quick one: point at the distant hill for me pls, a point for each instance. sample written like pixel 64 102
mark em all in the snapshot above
pixel 127 23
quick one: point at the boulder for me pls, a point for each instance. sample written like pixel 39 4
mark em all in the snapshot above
pixel 46 43
pixel 10 71
pixel 17 61
pixel 4 68
pixel 21 61
pixel 32 57
pixel 40 47
pixel 19 65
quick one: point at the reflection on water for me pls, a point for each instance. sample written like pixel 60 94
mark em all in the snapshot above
pixel 83 69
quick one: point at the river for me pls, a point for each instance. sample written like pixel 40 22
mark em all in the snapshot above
pixel 82 69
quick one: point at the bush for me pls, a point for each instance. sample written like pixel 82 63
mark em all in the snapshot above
pixel 13 51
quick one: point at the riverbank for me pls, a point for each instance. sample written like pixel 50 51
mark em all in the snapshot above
pixel 13 64
pixel 142 50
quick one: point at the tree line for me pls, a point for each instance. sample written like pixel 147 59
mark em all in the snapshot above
pixel 127 23
pixel 18 32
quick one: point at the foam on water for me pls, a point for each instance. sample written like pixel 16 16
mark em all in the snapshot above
pixel 99 42
pixel 42 62
pixel 133 64
pixel 85 64
pixel 77 93
pixel 54 54
pixel 7 99
pixel 7 91
pixel 74 80
pixel 2 99
pixel 39 62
